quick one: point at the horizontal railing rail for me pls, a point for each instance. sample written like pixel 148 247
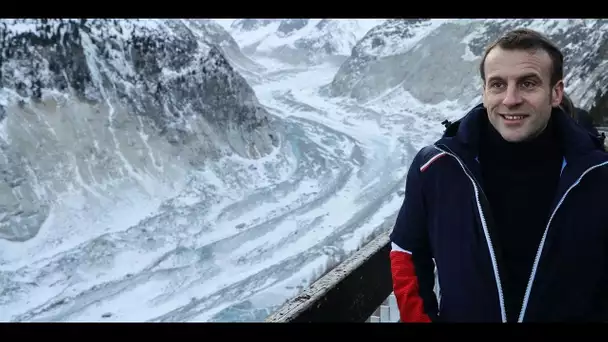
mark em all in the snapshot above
pixel 350 292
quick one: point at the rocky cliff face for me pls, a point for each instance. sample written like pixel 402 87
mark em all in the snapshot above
pixel 212 33
pixel 93 106
pixel 438 60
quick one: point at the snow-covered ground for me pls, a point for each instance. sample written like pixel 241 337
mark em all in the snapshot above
pixel 241 254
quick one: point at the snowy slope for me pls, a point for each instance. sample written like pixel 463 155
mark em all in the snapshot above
pixel 436 60
pixel 225 23
pixel 214 32
pixel 300 40
pixel 344 190
pixel 87 99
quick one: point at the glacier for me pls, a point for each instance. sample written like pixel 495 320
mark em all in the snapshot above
pixel 336 186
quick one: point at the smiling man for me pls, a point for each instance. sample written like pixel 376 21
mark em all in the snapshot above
pixel 508 205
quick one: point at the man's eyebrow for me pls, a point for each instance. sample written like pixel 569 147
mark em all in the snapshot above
pixel 529 75
pixel 495 78
pixel 524 76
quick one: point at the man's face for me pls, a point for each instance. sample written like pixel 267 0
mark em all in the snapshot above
pixel 517 92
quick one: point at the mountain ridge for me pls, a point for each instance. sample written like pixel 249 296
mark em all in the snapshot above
pixel 97 103
pixel 439 59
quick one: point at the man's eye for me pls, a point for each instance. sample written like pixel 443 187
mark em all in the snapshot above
pixel 528 84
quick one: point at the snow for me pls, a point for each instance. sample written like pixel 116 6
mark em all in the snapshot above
pixel 225 23
pixel 394 44
pixel 71 221
pixel 244 38
pixel 468 55
pixel 273 40
pixel 3 103
pixel 342 34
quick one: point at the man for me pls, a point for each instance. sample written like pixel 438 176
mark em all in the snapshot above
pixel 509 205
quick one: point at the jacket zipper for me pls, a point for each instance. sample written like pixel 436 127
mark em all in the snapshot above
pixel 491 246
pixel 542 242
pixel 484 225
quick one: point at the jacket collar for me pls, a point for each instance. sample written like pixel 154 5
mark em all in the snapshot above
pixel 578 144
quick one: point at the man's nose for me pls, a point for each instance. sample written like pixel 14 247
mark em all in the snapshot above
pixel 512 96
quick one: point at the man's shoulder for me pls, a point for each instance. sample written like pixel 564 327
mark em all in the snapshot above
pixel 596 165
pixel 602 163
pixel 427 156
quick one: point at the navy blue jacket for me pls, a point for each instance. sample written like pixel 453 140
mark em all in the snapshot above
pixel 444 223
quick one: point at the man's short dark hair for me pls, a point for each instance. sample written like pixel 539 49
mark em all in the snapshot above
pixel 527 39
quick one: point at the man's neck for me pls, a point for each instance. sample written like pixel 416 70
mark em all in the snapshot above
pixel 495 149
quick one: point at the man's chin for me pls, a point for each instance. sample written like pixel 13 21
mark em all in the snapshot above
pixel 514 136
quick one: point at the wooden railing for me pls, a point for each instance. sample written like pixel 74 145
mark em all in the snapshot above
pixel 350 292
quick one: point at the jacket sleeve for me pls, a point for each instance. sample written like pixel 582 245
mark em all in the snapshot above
pixel 412 266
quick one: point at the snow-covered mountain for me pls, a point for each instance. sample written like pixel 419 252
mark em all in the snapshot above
pixel 438 60
pixel 214 32
pixel 95 105
pixel 299 41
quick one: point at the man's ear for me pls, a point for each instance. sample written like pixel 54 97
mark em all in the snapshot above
pixel 557 93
